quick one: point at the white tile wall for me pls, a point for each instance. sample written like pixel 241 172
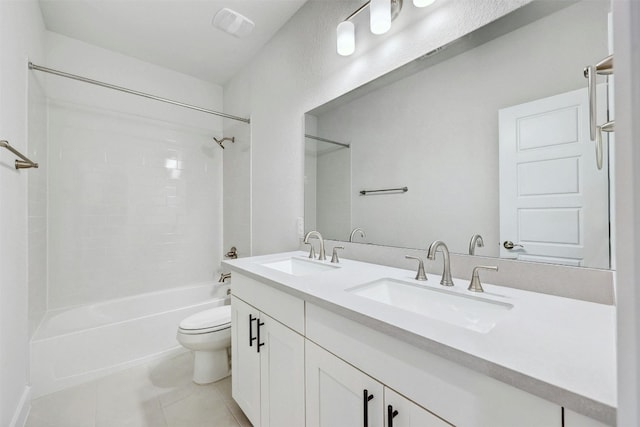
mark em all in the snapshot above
pixel 37 203
pixel 135 205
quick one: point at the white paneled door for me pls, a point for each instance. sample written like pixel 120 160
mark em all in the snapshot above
pixel 553 199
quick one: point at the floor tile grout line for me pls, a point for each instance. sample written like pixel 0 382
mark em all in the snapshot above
pixel 164 415
pixel 220 391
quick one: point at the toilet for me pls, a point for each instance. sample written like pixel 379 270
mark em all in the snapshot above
pixel 208 335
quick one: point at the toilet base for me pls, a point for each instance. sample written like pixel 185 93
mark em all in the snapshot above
pixel 210 366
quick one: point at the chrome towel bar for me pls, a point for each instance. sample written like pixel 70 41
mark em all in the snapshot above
pixel 604 67
pixel 25 163
pixel 401 190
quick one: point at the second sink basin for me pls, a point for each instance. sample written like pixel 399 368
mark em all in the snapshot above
pixel 467 311
pixel 299 266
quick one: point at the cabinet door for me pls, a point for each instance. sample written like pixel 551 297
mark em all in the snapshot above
pixel 336 392
pixel 573 419
pixel 401 412
pixel 245 360
pixel 282 375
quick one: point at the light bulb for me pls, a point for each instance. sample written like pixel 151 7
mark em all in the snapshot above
pixel 423 3
pixel 380 13
pixel 346 40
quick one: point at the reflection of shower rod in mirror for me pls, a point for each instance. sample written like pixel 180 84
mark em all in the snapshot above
pixel 220 141
pixel 317 138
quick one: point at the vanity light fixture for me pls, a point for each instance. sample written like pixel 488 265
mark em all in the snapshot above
pixel 380 16
pixel 381 13
pixel 423 3
pixel 346 38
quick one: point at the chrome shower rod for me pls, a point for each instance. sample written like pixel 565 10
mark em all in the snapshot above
pixel 33 66
pixel 317 138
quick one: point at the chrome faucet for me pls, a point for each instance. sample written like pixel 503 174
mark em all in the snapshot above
pixel 420 275
pixel 321 255
pixel 431 254
pixel 334 255
pixel 357 230
pixel 476 240
pixel 224 276
pixel 475 285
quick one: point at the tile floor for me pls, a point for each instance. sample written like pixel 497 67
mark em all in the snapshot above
pixel 159 394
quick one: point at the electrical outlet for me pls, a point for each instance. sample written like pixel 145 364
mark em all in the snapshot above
pixel 300 227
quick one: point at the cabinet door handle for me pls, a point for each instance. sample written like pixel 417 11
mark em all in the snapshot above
pixel 390 415
pixel 259 323
pixel 366 397
pixel 251 337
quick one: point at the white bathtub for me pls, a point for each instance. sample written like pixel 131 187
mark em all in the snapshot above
pixel 78 344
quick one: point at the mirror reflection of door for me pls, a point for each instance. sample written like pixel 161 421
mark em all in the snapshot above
pixel 553 199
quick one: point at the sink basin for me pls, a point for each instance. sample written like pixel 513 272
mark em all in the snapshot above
pixel 300 266
pixel 467 311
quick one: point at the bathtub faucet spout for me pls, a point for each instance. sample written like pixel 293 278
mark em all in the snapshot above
pixel 223 277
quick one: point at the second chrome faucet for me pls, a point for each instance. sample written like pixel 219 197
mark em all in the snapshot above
pixel 431 254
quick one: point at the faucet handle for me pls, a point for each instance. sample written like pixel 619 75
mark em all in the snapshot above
pixel 334 255
pixel 475 285
pixel 312 252
pixel 233 253
pixel 420 275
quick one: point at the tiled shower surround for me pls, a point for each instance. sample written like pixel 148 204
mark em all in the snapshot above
pixel 135 205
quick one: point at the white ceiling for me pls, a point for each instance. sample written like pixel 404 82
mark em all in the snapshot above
pixel 175 34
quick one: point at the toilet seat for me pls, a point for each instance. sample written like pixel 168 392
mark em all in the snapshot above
pixel 204 322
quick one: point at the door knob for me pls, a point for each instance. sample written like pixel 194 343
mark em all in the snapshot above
pixel 508 244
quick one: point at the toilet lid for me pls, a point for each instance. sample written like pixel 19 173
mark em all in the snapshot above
pixel 211 318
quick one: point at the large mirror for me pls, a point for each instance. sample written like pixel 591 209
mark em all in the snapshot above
pixel 488 136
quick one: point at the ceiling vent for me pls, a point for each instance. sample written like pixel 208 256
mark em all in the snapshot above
pixel 233 23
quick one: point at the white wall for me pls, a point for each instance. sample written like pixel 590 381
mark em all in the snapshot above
pixel 334 192
pixel 135 186
pixel 627 69
pixel 310 174
pixel 237 173
pixel 21 32
pixel 436 132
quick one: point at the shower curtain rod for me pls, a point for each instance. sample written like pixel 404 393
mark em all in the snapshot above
pixel 33 66
pixel 317 138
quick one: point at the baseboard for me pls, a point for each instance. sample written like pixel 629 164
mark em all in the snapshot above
pixel 22 411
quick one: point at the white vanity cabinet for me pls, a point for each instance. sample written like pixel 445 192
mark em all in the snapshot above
pixel 448 390
pixel 405 413
pixel 573 419
pixel 267 362
pixel 303 357
pixel 245 360
pixel 340 395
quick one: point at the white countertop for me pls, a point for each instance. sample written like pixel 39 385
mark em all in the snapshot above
pixel 560 349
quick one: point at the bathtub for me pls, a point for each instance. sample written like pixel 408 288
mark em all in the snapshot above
pixel 78 344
